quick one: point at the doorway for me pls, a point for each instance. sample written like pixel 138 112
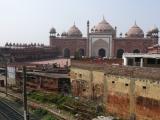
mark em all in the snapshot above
pixel 102 52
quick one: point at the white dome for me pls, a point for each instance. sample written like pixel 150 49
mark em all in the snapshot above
pixel 64 34
pixel 154 29
pixel 74 32
pixel 135 31
pixel 103 27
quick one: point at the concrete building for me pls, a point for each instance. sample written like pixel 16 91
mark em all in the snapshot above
pixel 142 60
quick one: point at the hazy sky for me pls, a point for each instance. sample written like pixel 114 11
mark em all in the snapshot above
pixel 30 20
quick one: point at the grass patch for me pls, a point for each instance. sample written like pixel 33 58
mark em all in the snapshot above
pixel 57 99
pixel 67 103
pixel 49 117
pixel 42 114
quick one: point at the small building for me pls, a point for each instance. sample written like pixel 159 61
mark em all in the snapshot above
pixel 46 81
pixel 142 60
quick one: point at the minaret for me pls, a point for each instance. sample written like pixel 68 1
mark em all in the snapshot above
pixel 115 31
pixel 87 48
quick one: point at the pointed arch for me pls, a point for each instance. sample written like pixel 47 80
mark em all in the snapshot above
pixel 66 53
pixel 81 52
pixel 102 52
pixel 120 53
pixel 136 51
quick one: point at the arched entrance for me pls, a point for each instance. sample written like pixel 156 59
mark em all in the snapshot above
pixel 100 48
pixel 120 53
pixel 136 51
pixel 66 53
pixel 81 52
pixel 102 52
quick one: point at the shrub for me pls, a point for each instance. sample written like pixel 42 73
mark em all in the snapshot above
pixel 40 112
pixel 49 117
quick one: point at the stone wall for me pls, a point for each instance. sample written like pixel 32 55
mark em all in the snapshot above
pixel 73 44
pixel 130 44
pixel 124 91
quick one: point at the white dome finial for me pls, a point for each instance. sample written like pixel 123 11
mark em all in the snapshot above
pixel 103 17
pixel 135 23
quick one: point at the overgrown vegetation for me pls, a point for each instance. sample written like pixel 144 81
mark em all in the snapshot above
pixel 76 107
pixel 57 99
pixel 43 114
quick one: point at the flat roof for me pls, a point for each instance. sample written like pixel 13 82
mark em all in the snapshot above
pixel 50 75
pixel 62 62
pixel 142 55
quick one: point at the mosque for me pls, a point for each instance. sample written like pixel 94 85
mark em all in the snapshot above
pixel 102 41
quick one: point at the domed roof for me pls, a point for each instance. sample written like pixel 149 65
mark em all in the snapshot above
pixel 64 34
pixel 135 31
pixel 103 27
pixel 53 30
pixel 74 32
pixel 153 29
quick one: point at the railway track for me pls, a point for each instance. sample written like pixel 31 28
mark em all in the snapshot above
pixel 3 116
pixel 8 112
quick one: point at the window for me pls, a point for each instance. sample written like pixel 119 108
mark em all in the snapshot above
pixel 144 87
pixel 113 82
pixel 126 84
pixel 80 75
pixel 137 59
pixel 151 61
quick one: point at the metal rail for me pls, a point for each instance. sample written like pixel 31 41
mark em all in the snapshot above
pixel 10 112
pixel 4 115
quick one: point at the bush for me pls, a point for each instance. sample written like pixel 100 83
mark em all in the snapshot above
pixel 49 117
pixel 40 112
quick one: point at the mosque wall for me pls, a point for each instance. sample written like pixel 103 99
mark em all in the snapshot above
pixel 102 39
pixel 129 45
pixel 123 95
pixel 72 44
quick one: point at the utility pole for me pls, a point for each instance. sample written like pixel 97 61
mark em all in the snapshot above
pixel 87 47
pixel 6 74
pixel 26 116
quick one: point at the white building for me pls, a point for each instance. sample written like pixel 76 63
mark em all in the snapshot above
pixel 142 60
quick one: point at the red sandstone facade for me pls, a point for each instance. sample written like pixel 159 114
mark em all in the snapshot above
pixel 14 53
pixel 133 45
pixel 73 45
pixel 102 41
